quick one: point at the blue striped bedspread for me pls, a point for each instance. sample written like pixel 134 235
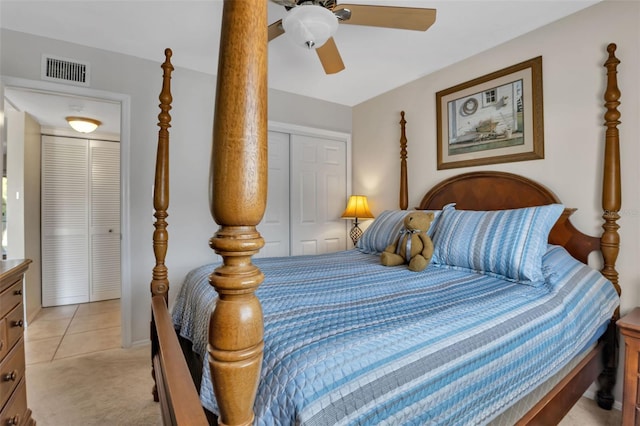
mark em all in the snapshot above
pixel 348 341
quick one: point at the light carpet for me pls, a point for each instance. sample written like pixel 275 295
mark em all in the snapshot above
pixel 111 387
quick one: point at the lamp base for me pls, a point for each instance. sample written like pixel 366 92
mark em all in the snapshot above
pixel 355 233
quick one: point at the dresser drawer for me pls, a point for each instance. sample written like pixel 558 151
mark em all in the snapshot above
pixel 4 342
pixel 15 412
pixel 15 325
pixel 11 297
pixel 11 372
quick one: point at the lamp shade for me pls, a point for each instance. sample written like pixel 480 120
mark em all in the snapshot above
pixel 357 208
pixel 310 25
pixel 83 124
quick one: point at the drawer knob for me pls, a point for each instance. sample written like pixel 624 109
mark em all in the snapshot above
pixel 11 377
pixel 18 292
pixel 18 323
pixel 15 420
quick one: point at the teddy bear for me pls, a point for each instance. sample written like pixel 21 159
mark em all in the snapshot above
pixel 413 245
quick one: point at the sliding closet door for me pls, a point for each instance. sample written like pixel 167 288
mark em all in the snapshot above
pixel 318 195
pixel 274 226
pixel 104 231
pixel 65 243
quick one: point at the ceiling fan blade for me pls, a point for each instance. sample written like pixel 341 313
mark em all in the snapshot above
pixel 405 18
pixel 275 29
pixel 330 57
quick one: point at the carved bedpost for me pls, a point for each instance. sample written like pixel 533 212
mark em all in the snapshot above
pixel 160 281
pixel 404 191
pixel 610 240
pixel 238 195
pixel 611 194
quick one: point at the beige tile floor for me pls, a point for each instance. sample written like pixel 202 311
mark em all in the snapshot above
pixel 66 331
pixel 587 413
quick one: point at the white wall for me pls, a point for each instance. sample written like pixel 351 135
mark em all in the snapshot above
pixel 190 225
pixel 23 210
pixel 33 282
pixel 573 52
pixel 3 135
pixel 15 186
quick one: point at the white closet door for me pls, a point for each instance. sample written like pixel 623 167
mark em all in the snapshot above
pixel 104 231
pixel 274 226
pixel 65 188
pixel 318 195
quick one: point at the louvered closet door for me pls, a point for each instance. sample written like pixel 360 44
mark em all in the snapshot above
pixel 64 192
pixel 318 195
pixel 274 226
pixel 104 231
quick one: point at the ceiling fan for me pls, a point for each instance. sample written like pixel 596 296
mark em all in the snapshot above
pixel 312 24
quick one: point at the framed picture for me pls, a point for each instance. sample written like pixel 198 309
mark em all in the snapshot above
pixel 496 118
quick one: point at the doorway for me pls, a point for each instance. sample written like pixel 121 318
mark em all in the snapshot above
pixel 78 95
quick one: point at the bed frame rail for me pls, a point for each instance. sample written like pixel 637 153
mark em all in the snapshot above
pixel 180 401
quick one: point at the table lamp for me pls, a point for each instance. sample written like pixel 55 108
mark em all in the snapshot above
pixel 357 208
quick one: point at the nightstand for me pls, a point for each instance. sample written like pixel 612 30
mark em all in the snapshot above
pixel 630 328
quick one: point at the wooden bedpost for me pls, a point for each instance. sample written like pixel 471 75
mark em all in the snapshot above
pixel 611 187
pixel 237 196
pixel 610 240
pixel 404 191
pixel 160 280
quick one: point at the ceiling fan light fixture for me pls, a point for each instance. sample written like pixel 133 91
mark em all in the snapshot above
pixel 83 124
pixel 310 26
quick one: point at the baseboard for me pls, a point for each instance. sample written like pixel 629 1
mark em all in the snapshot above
pixel 32 317
pixel 143 342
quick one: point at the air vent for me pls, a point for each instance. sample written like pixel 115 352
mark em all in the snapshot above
pixel 63 70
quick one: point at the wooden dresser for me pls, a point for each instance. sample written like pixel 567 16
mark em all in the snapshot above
pixel 13 391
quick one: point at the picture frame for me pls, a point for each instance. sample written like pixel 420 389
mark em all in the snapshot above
pixel 496 118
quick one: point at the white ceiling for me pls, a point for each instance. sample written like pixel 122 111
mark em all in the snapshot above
pixel 377 60
pixel 50 110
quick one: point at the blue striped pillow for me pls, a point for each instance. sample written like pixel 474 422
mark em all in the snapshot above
pixel 507 244
pixel 385 228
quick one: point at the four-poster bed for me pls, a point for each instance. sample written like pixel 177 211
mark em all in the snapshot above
pixel 238 198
